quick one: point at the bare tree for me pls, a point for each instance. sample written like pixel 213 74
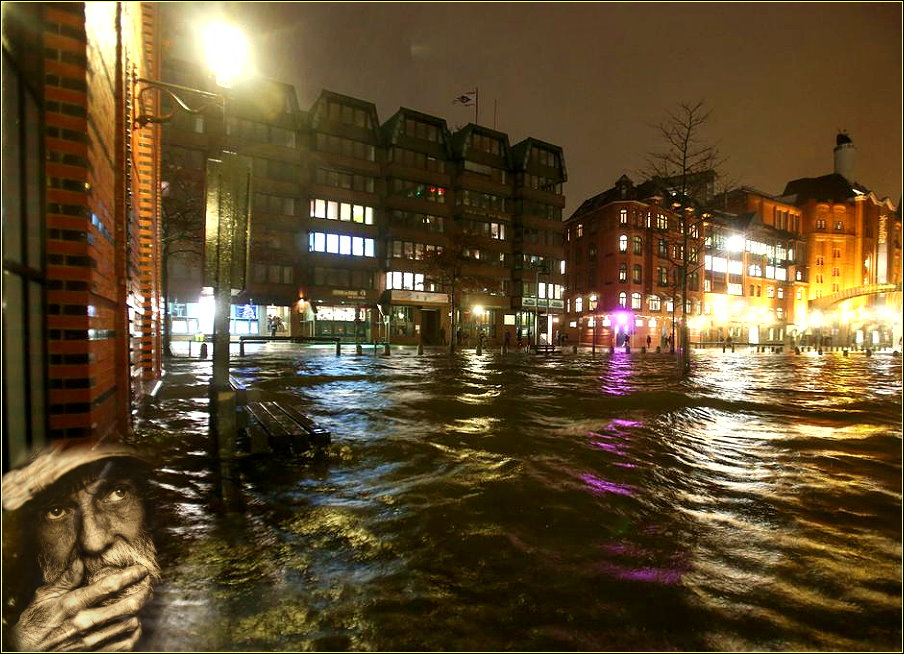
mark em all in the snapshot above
pixel 449 266
pixel 182 230
pixel 687 165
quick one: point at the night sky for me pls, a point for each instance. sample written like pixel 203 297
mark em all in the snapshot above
pixel 781 78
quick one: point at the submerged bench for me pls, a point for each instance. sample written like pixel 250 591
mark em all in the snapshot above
pixel 284 428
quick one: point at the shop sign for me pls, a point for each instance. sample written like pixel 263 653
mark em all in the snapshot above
pixel 346 293
pixel 419 297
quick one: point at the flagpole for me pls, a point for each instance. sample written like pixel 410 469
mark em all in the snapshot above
pixel 476 104
pixel 494 113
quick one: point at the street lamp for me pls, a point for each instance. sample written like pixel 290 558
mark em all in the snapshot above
pixel 592 303
pixel 227 219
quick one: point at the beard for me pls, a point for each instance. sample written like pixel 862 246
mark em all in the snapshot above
pixel 120 555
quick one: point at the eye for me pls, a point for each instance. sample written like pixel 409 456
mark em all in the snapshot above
pixel 118 494
pixel 56 513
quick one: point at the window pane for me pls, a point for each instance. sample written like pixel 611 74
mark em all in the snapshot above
pixel 345 243
pixel 319 242
pixel 332 243
pixel 368 247
pixel 332 210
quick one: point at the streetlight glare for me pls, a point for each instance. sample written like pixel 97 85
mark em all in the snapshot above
pixel 734 243
pixel 226 51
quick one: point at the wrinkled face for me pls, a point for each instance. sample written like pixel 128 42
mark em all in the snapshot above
pixel 98 518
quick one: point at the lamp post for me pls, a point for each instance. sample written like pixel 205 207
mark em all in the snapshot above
pixel 227 218
pixel 539 266
pixel 592 303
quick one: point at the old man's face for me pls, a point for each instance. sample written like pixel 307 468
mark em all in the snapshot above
pixel 97 562
pixel 97 520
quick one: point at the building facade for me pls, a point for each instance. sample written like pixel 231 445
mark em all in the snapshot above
pixel 626 252
pixel 81 207
pixel 853 246
pixel 350 217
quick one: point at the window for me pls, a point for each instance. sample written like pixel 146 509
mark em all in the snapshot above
pixel 836 272
pixel 636 301
pixel 418 190
pixel 820 261
pixel 578 304
pixel 355 246
pixel 591 253
pixel 623 243
pixel 820 224
pixel 839 226
pixel 637 274
pixel 662 222
pixel 342 211
pixel 654 303
pixel 623 299
pixel 781 293
pixel 623 272
pixel 836 253
pixel 344 180
pixel 770 291
pixel 663 249
pixel 623 217
pixel 638 245
pixel 579 231
pixel 662 276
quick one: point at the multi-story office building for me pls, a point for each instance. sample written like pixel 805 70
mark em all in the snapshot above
pixel 756 274
pixel 626 251
pixel 80 205
pixel 349 216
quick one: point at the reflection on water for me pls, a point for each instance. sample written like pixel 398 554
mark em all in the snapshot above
pixel 543 503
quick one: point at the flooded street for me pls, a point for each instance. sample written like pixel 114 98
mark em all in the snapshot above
pixel 541 503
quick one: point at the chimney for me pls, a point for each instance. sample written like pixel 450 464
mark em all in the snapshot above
pixel 844 156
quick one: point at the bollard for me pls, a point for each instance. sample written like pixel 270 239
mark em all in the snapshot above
pixel 797 350
pixel 203 353
pixel 869 352
pixel 338 348
pixel 358 349
pixel 574 349
pixel 386 349
pixel 658 349
pixel 420 348
pixel 819 351
pixel 478 350
pixel 627 349
pixel 844 352
pixel 643 349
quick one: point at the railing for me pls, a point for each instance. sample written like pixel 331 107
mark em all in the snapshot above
pixel 866 289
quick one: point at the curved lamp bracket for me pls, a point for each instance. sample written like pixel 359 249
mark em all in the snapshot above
pixel 172 90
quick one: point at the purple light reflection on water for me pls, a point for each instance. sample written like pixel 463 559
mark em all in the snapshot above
pixel 647 575
pixel 602 486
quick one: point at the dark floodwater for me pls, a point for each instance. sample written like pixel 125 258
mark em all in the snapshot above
pixel 544 503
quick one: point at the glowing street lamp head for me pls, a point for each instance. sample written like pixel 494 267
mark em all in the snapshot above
pixel 478 310
pixel 226 51
pixel 734 243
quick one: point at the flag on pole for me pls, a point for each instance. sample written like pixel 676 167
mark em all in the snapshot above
pixel 467 99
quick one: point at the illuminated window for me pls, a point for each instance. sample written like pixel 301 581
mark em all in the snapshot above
pixel 355 246
pixel 770 291
pixel 623 217
pixel 654 303
pixel 636 301
pixel 638 245
pixel 623 243
pixel 637 274
pixel 781 293
pixel 623 272
pixel 578 304
pixel 839 226
pixel 579 231
pixel 623 299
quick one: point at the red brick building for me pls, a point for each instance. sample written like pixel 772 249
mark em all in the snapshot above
pixel 80 190
pixel 624 248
